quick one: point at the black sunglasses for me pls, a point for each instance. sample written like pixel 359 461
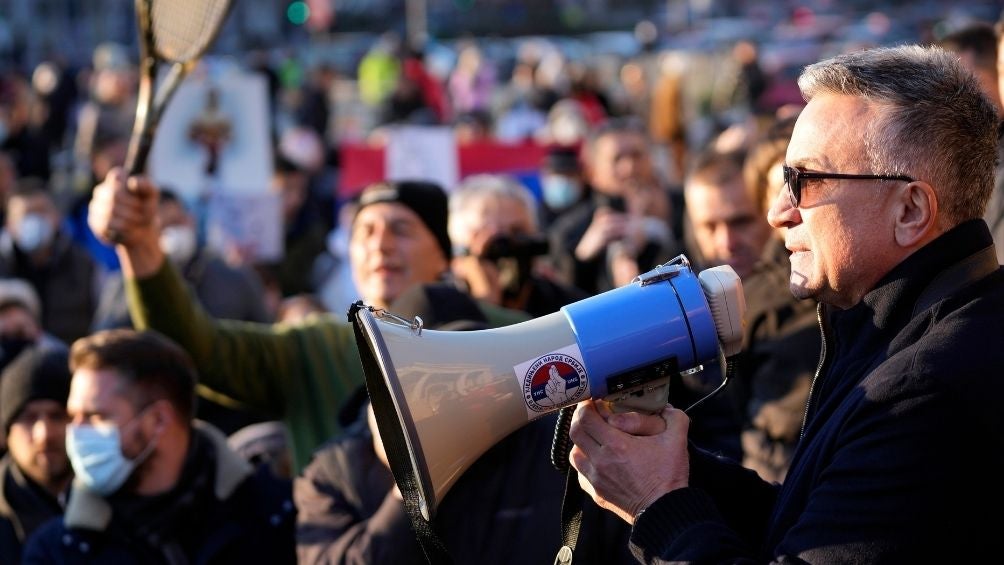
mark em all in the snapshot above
pixel 793 178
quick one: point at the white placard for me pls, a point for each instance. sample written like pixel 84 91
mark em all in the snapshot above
pixel 422 153
pixel 251 223
pixel 245 158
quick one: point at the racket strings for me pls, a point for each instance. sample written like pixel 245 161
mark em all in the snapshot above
pixel 183 29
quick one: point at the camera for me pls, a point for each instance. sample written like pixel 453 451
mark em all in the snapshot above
pixel 515 246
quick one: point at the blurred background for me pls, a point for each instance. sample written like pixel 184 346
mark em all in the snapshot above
pixel 320 86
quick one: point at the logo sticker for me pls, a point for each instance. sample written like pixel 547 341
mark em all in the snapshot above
pixel 553 380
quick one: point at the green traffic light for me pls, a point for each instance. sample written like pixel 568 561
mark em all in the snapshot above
pixel 298 12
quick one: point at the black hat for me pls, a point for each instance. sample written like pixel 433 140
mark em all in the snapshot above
pixel 441 306
pixel 36 374
pixel 426 199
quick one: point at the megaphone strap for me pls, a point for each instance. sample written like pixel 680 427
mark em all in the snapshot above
pixel 571 516
pixel 396 446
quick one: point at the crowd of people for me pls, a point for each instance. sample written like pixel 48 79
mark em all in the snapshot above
pixel 167 402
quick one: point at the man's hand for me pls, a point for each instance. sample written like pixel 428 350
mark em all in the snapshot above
pixel 628 461
pixel 124 212
pixel 607 226
pixel 623 266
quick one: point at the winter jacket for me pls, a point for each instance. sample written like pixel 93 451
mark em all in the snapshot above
pixel 24 506
pixel 220 511
pixel 67 284
pixel 780 353
pixel 504 509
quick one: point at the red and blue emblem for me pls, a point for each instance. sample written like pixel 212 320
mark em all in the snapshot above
pixel 553 381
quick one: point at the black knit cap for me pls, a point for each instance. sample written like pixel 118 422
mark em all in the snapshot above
pixel 36 374
pixel 428 200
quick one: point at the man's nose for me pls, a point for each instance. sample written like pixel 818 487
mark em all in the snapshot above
pixel 382 239
pixel 45 428
pixel 782 213
pixel 728 239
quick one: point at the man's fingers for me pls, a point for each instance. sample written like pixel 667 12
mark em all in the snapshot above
pixel 578 431
pixel 638 424
pixel 588 424
pixel 141 187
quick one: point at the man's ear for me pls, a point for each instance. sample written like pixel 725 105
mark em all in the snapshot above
pixel 916 214
pixel 163 413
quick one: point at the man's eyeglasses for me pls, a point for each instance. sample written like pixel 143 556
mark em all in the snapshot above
pixel 794 178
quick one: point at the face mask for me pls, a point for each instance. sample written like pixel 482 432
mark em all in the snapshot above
pixel 178 242
pixel 560 192
pixel 95 452
pixel 33 233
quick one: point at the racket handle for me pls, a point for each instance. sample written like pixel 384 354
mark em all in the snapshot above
pixel 139 150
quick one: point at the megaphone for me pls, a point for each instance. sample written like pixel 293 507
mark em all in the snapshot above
pixel 456 394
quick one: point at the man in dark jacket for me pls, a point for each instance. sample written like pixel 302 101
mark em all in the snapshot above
pixel 225 292
pixel 889 169
pixel 35 473
pixel 35 247
pixel 152 486
pixel 504 509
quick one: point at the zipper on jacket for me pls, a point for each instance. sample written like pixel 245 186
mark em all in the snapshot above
pixel 819 369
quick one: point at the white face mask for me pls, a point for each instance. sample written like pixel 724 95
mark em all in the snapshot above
pixel 95 453
pixel 560 192
pixel 34 232
pixel 179 243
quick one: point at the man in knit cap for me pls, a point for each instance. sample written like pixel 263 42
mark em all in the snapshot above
pixel 35 473
pixel 300 372
pixel 21 321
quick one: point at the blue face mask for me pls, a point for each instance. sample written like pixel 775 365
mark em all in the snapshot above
pixel 95 452
pixel 560 192
pixel 33 233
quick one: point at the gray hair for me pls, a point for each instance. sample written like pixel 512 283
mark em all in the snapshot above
pixel 20 292
pixel 936 124
pixel 476 187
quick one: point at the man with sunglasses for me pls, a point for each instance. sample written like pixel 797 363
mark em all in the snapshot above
pixel 888 171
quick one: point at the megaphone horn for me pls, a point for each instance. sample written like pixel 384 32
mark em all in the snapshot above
pixel 456 394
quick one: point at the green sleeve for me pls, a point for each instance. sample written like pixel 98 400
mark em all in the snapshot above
pixel 300 372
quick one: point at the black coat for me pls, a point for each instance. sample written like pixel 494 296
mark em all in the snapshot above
pixel 505 509
pixel 24 506
pixel 220 511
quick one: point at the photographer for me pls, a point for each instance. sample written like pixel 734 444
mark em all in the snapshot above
pixel 624 227
pixel 496 240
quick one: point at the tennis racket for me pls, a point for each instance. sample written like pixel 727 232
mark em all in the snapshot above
pixel 176 33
